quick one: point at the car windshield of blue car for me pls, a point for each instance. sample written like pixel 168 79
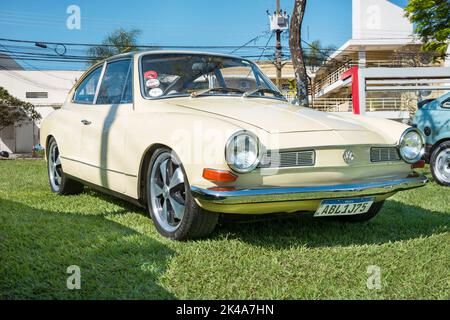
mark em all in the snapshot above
pixel 198 75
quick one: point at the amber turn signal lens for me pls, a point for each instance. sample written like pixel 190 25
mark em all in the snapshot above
pixel 418 165
pixel 219 175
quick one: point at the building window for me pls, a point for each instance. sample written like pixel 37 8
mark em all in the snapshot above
pixel 37 95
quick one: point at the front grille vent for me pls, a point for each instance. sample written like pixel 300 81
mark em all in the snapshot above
pixel 287 159
pixel 384 154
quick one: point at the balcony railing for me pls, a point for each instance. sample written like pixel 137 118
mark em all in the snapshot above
pixel 333 105
pixel 336 74
pixel 372 104
pixel 332 77
pixel 388 104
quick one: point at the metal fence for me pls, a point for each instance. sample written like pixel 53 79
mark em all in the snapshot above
pixel 372 104
pixel 335 75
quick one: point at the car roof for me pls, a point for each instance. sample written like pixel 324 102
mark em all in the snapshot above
pixel 150 52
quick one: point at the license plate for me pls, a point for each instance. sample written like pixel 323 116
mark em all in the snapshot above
pixel 343 207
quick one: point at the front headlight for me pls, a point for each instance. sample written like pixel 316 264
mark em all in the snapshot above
pixel 242 152
pixel 411 145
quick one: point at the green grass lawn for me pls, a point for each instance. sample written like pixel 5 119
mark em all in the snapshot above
pixel 121 255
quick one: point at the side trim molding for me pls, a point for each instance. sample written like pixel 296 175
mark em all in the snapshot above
pixel 136 202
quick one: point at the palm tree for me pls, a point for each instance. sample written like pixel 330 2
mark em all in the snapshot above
pixel 119 41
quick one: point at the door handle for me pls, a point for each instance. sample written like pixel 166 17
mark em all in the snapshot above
pixel 86 122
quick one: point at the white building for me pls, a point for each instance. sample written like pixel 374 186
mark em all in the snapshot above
pixel 380 70
pixel 46 90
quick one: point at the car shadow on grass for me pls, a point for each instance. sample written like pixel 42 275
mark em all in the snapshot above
pixel 395 222
pixel 127 206
pixel 37 246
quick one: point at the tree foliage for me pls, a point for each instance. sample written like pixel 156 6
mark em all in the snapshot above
pixel 317 54
pixel 432 23
pixel 119 41
pixel 13 112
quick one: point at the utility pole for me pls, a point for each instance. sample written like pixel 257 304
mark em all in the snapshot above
pixel 279 22
pixel 278 49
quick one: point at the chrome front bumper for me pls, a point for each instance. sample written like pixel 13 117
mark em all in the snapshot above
pixel 213 199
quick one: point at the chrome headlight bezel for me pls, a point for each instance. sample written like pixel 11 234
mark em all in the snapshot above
pixel 401 146
pixel 256 142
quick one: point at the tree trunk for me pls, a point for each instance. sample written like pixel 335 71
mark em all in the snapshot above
pixel 295 44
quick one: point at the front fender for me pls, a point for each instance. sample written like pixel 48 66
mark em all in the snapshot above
pixel 199 141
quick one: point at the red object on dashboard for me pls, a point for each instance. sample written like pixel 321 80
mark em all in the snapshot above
pixel 150 74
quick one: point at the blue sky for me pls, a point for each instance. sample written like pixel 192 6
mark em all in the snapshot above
pixel 170 22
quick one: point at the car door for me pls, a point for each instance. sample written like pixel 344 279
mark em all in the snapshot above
pixel 104 127
pixel 69 135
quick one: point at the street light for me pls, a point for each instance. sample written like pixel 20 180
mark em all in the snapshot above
pixel 60 49
pixel 41 45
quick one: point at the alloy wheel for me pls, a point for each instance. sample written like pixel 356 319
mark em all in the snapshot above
pixel 54 167
pixel 167 191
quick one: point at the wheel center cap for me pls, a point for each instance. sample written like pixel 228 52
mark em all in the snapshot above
pixel 348 156
pixel 166 191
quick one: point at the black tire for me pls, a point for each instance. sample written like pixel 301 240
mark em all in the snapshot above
pixel 195 222
pixel 374 210
pixel 441 178
pixel 64 185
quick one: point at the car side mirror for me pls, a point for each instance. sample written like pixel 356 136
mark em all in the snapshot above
pixel 423 103
pixel 446 105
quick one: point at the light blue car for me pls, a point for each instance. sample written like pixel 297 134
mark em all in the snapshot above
pixel 433 119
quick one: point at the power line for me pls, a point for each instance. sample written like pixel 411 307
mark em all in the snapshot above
pixel 234 48
pixel 138 46
pixel 13 74
pixel 250 41
pixel 34 67
pixel 38 58
pixel 46 55
pixel 265 47
pixel 24 50
pixel 21 17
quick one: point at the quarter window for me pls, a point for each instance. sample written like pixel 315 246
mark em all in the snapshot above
pixel 115 87
pixel 85 92
pixel 127 96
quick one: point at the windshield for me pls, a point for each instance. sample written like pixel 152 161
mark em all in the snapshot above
pixel 181 74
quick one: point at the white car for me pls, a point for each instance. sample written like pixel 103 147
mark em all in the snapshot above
pixel 193 135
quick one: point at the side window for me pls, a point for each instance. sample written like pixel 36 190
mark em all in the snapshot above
pixel 114 85
pixel 127 96
pixel 85 92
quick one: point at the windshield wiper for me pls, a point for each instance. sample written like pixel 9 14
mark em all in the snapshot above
pixel 249 94
pixel 218 89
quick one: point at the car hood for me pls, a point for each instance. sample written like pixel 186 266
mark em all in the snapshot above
pixel 271 115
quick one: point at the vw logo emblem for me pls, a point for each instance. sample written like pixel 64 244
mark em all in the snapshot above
pixel 348 156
